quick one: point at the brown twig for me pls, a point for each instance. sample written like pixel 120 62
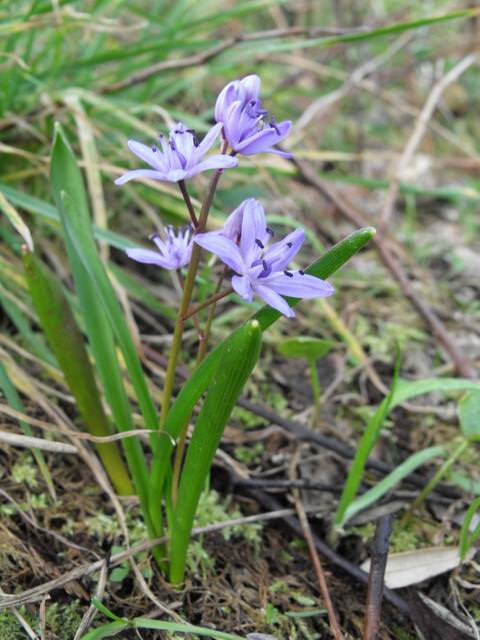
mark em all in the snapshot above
pixel 376 578
pixel 418 133
pixel 206 303
pixel 358 218
pixel 317 565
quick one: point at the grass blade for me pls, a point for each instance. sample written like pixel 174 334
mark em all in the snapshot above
pixel 367 441
pixel 67 343
pixel 391 480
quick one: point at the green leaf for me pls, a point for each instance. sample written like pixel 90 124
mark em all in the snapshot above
pixel 100 309
pixel 67 343
pixel 407 389
pixel 235 365
pixel 367 441
pixel 391 480
pixel 305 347
pixel 469 415
pixel 467 539
pixel 113 628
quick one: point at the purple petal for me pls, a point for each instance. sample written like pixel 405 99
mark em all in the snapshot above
pixel 206 143
pixel 280 254
pixel 264 139
pixel 282 154
pixel 275 301
pixel 298 286
pixel 225 98
pixel 242 286
pixel 140 173
pixel 232 226
pixel 251 85
pixel 219 161
pixel 254 226
pixel 224 248
pixel 147 154
pixel 146 256
pixel 174 175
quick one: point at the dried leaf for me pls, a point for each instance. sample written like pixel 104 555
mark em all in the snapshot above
pixel 411 567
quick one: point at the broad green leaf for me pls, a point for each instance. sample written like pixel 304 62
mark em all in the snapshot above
pixel 367 441
pixel 391 480
pixel 67 343
pixel 235 365
pixel 100 309
pixel 305 347
pixel 407 389
pixel 469 414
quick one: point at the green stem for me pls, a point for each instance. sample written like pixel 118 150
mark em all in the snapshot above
pixel 432 483
pixel 186 297
pixel 315 382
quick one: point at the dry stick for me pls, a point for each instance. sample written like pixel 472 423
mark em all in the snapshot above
pixel 358 218
pixel 92 609
pixel 418 133
pixel 376 578
pixel 317 565
pixel 216 50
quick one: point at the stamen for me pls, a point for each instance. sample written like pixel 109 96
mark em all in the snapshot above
pixel 289 245
pixel 154 148
pixel 260 243
pixel 273 124
pixel 301 272
pixel 270 231
pixel 152 236
pixel 171 142
pixel 287 273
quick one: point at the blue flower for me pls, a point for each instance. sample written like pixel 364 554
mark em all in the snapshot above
pixel 245 122
pixel 261 269
pixel 173 253
pixel 180 156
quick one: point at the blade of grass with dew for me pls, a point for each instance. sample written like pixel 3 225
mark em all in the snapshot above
pixel 391 480
pixel 66 178
pixel 13 399
pixel 238 358
pixel 198 382
pixel 367 441
pixel 67 343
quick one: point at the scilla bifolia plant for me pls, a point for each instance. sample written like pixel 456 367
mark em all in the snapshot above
pixel 255 263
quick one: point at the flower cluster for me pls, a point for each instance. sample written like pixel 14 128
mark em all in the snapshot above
pixel 244 244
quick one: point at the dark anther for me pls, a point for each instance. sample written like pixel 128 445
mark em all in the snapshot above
pixel 270 231
pixel 273 124
pixel 172 145
pixel 301 272
pixel 289 245
pixel 287 273
pixel 154 148
pixel 259 243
